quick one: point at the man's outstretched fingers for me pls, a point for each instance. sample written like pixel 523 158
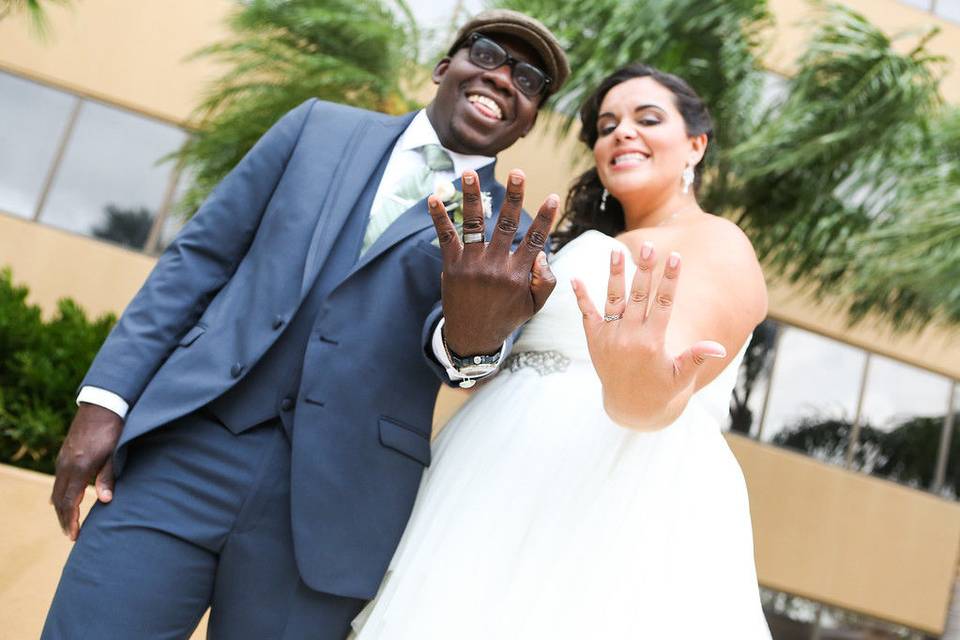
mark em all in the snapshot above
pixel 508 219
pixel 450 245
pixel 539 232
pixel 542 281
pixel 472 211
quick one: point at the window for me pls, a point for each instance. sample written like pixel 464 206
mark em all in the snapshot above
pixel 750 393
pixel 112 182
pixel 33 121
pixel 949 9
pixel 797 618
pixel 901 422
pixel 813 396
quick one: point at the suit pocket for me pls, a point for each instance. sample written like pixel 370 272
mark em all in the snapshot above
pixel 191 336
pixel 405 439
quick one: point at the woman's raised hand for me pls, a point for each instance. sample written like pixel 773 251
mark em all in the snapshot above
pixel 644 386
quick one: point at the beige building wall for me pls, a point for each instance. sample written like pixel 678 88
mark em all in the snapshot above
pixel 132 54
pixel 894 17
pixel 821 532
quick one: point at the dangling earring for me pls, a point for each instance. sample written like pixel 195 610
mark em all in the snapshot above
pixel 603 200
pixel 687 178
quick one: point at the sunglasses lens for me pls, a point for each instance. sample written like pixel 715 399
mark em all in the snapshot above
pixel 487 54
pixel 528 78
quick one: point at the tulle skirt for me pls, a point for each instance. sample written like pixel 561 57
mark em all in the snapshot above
pixel 541 518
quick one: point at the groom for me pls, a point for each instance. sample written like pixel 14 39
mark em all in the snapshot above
pixel 267 395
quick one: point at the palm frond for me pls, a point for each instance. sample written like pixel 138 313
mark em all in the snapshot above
pixel 282 53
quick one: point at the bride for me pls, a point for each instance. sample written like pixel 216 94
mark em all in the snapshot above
pixel 586 491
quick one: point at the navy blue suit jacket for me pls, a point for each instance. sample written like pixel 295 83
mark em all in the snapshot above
pixel 223 291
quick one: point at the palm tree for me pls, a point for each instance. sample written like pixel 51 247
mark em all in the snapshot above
pixel 849 185
pixel 284 52
pixel 34 8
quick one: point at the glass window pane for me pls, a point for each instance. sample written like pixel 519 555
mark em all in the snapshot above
pixel 901 422
pixel 175 219
pixel 949 9
pixel 111 182
pixel 951 480
pixel 32 121
pixel 813 399
pixel 746 403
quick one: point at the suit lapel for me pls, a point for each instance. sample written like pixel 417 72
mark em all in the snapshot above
pixel 417 218
pixel 364 151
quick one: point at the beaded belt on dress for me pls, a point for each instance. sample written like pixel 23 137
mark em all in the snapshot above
pixel 543 362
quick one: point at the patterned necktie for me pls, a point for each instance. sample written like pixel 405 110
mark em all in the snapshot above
pixel 407 192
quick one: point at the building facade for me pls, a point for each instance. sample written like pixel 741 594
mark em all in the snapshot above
pixel 847 544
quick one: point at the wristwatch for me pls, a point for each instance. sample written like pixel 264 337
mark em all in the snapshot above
pixel 471 367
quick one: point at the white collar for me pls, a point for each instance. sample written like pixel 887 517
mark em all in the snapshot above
pixel 420 132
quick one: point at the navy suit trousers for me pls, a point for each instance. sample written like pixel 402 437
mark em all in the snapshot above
pixel 200 517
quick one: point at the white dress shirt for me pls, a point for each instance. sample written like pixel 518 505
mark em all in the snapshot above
pixel 403 159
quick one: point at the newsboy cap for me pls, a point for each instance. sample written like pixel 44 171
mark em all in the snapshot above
pixel 528 29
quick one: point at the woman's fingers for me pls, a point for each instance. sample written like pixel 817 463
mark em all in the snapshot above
pixel 591 318
pixel 616 286
pixel 688 363
pixel 659 316
pixel 642 282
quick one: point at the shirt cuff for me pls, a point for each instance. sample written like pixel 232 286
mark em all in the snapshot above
pixel 441 354
pixel 103 398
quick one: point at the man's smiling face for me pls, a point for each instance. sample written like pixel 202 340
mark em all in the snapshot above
pixel 478 111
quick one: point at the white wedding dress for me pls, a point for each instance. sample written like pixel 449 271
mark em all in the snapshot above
pixel 542 519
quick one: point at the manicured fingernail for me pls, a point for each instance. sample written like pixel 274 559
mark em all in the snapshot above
pixel 615 257
pixel 468 178
pixel 516 178
pixel 674 260
pixel 553 200
pixel 542 258
pixel 646 250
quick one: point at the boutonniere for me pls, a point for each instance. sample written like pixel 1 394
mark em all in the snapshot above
pixel 453 202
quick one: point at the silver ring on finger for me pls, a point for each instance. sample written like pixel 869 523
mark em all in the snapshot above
pixel 470 238
pixel 612 317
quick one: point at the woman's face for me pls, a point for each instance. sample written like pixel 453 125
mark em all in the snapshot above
pixel 642 144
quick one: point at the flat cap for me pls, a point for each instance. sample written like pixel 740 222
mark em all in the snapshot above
pixel 528 29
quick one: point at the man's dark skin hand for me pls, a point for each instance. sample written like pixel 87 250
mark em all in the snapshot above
pixel 87 451
pixel 487 291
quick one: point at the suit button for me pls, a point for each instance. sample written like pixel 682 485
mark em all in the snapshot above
pixel 236 370
pixel 286 404
pixel 277 322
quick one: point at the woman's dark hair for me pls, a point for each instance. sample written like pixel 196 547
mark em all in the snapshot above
pixel 583 200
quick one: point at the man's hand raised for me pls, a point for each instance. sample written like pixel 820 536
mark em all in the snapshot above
pixel 86 452
pixel 488 291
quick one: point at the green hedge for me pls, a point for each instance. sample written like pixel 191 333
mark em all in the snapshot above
pixel 41 364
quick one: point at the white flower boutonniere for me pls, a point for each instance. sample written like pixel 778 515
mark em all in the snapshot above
pixel 453 202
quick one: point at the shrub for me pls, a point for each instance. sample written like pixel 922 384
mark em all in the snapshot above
pixel 41 365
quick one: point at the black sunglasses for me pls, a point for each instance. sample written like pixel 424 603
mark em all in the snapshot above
pixel 487 54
